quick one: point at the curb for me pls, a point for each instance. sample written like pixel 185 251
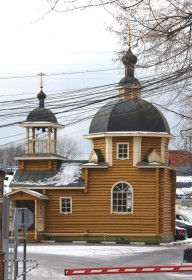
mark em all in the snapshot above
pixel 78 242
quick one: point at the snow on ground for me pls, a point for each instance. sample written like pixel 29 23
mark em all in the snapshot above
pixel 47 271
pixel 89 250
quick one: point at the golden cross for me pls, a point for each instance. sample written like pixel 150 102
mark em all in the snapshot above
pixel 41 75
pixel 129 35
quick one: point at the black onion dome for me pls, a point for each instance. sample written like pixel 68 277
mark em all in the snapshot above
pixel 129 60
pixel 129 115
pixel 41 95
pixel 129 81
pixel 41 114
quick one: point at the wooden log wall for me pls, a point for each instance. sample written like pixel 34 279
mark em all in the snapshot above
pixel 92 210
pixel 37 165
pixel 167 202
pixel 167 152
pixel 150 143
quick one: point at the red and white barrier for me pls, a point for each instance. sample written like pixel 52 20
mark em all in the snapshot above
pixel 128 269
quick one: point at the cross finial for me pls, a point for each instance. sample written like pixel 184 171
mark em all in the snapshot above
pixel 129 35
pixel 41 83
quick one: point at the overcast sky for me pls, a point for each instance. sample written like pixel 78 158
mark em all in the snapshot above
pixel 58 42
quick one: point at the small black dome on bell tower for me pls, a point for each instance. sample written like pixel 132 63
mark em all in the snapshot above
pixel 41 96
pixel 41 114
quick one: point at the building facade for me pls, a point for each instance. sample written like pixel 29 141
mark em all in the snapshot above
pixel 124 192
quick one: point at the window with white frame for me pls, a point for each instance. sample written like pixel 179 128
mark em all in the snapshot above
pixel 66 205
pixel 122 198
pixel 122 150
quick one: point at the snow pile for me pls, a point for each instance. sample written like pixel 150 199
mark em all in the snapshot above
pixel 68 174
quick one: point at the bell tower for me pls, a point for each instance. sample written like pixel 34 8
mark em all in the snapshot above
pixel 41 128
pixel 41 138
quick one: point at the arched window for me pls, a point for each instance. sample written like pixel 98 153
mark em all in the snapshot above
pixel 122 198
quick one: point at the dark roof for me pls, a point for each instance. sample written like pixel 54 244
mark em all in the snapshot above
pixel 41 114
pixel 69 174
pixel 129 81
pixel 130 115
pixel 31 177
pixel 150 164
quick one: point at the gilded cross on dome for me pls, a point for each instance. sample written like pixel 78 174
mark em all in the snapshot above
pixel 129 59
pixel 41 95
pixel 129 35
pixel 41 82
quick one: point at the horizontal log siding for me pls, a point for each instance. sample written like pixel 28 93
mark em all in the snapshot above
pixel 99 143
pixel 37 164
pixel 22 196
pixel 92 210
pixel 173 198
pixel 150 143
pixel 167 152
pixel 167 198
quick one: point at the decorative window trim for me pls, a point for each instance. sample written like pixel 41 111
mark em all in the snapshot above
pixel 112 202
pixel 66 212
pixel 123 150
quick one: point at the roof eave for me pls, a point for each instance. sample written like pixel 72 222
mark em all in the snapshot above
pixel 29 192
pixel 156 166
pixel 129 133
pixel 94 166
pixel 28 187
pixel 41 124
pixel 35 157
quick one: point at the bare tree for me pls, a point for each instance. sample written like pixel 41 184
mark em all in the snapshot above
pixel 8 153
pixel 68 148
pixel 161 37
pixel 161 33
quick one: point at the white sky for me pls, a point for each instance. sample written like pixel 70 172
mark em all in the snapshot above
pixel 60 42
pixel 29 45
pixel 57 43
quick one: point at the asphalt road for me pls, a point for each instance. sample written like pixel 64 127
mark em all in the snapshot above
pixel 51 266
